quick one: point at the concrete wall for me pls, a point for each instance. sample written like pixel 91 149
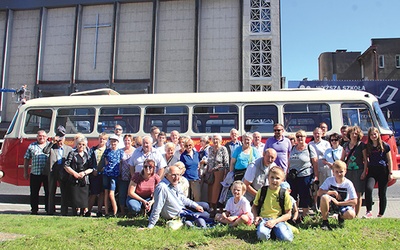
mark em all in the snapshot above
pixel 133 52
pixel 58 42
pixel 174 69
pixel 86 69
pixel 223 47
pixel 22 66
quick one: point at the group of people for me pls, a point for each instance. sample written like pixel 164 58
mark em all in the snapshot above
pixel 241 182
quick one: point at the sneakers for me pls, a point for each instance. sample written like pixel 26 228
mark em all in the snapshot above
pixel 368 215
pixel 325 226
pixel 341 221
pixel 380 215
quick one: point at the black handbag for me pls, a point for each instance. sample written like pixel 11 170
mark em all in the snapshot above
pixel 209 178
pixel 292 175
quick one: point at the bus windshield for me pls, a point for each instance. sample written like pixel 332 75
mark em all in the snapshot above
pixel 357 114
pixel 380 116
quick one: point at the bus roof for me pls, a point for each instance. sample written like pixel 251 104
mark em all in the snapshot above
pixel 294 95
pixel 104 91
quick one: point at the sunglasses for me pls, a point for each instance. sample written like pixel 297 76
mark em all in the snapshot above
pixel 299 136
pixel 334 140
pixel 118 129
pixel 278 130
pixel 147 166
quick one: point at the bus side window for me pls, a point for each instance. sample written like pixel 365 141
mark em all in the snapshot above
pixel 214 118
pixel 37 119
pixel 76 120
pixel 166 118
pixel 306 116
pixel 127 117
pixel 260 118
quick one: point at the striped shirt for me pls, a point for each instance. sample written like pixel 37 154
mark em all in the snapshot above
pixel 39 159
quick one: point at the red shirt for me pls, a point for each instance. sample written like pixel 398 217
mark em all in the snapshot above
pixel 145 188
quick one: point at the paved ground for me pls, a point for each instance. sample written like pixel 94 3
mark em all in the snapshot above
pixel 15 200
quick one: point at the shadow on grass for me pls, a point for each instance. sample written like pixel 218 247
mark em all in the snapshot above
pixel 315 221
pixel 245 233
pixel 134 222
pixel 139 221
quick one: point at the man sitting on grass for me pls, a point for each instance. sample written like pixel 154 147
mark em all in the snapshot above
pixel 170 202
pixel 337 195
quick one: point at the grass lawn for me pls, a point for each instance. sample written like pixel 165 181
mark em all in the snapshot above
pixel 55 232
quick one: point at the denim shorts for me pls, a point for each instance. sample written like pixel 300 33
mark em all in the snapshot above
pixel 110 182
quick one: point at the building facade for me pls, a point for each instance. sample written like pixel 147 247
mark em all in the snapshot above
pixel 381 61
pixel 339 65
pixel 138 46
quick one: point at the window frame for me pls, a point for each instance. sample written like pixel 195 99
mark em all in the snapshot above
pixel 116 118
pixel 397 61
pixel 27 119
pixel 304 116
pixel 266 121
pixel 91 118
pixel 166 117
pixel 381 61
pixel 216 115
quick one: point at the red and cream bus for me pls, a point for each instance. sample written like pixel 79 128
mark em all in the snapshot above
pixel 192 114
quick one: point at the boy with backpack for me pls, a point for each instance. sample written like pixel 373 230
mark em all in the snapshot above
pixel 272 208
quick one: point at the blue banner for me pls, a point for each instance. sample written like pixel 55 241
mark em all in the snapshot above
pixel 387 92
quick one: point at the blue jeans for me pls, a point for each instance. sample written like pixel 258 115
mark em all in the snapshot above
pixel 281 230
pixel 122 191
pixel 134 205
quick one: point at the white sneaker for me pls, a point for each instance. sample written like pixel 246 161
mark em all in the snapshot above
pixel 368 215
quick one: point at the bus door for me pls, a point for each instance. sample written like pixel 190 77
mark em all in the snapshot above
pixel 35 120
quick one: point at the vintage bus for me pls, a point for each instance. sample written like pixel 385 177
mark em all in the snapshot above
pixel 192 114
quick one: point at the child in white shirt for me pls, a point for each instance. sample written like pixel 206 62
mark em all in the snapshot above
pixel 237 208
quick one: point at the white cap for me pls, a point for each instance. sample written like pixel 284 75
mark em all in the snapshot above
pixel 114 137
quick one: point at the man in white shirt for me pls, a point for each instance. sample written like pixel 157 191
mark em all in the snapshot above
pixel 146 151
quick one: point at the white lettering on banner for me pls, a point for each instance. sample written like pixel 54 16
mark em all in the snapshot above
pixel 336 87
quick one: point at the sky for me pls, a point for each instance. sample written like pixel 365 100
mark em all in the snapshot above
pixel 311 27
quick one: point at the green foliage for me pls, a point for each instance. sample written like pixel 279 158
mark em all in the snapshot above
pixel 52 232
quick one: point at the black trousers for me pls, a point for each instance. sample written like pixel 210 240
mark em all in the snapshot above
pixel 36 182
pixel 380 176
